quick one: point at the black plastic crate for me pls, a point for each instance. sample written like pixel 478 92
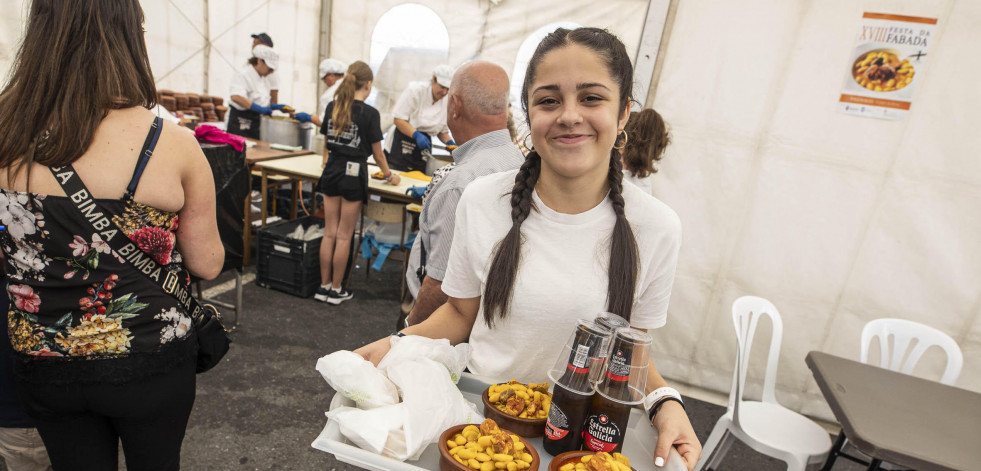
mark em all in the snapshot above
pixel 286 264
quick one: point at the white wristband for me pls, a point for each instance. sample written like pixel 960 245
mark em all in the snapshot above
pixel 659 394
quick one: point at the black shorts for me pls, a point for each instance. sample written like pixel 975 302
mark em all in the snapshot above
pixel 335 181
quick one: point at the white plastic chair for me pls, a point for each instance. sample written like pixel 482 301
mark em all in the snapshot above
pixel 765 426
pixel 903 332
pixel 901 355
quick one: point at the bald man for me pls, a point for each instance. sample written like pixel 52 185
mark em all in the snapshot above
pixel 477 115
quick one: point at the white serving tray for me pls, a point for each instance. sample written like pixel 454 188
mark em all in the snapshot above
pixel 638 444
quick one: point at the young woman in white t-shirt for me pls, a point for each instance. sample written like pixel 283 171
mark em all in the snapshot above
pixel 562 238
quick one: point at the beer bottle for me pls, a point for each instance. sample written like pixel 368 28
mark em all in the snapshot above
pixel 572 392
pixel 609 412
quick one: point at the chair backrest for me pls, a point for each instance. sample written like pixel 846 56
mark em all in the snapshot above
pixel 746 313
pixel 383 212
pixel 903 332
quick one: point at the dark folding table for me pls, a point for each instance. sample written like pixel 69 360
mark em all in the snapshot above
pixel 898 418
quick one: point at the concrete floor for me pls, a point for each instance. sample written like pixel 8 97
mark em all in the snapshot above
pixel 263 406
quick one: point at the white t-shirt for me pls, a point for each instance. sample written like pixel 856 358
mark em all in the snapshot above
pixel 248 83
pixel 416 106
pixel 273 81
pixel 562 276
pixel 642 183
pixel 326 98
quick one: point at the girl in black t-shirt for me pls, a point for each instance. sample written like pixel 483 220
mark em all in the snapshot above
pixel 351 132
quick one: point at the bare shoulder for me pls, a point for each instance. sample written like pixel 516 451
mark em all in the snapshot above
pixel 179 145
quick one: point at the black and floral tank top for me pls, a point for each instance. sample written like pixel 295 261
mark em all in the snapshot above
pixel 80 313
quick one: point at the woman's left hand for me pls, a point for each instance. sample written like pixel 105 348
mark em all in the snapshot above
pixel 674 430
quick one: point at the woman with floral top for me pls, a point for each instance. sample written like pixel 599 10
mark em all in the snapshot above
pixel 102 354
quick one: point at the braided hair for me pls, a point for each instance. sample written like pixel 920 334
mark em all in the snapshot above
pixel 623 263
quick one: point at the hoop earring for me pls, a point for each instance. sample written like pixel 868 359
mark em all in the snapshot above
pixel 624 132
pixel 524 143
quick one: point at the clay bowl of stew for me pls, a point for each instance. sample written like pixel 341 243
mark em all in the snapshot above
pixel 521 427
pixel 448 463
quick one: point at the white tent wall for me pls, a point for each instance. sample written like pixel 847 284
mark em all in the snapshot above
pixel 480 28
pixel 837 219
pixel 294 26
pixel 176 44
pixel 13 15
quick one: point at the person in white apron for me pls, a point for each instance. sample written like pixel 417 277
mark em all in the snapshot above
pixel 250 98
pixel 419 114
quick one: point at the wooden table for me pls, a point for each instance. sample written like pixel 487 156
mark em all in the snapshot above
pixel 307 168
pixel 261 152
pixel 899 418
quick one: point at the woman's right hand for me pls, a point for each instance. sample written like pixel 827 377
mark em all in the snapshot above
pixel 395 179
pixel 376 350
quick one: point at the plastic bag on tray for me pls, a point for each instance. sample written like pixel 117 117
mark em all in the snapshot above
pixel 412 347
pixel 357 379
pixel 378 430
pixel 432 403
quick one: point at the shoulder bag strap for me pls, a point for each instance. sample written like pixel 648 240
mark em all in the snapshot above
pixel 134 256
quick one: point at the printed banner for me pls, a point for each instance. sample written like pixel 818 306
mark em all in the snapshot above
pixel 889 58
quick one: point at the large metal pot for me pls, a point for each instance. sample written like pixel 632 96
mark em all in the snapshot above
pixel 436 159
pixel 287 131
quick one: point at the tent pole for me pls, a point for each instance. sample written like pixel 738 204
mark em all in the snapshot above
pixel 647 51
pixel 324 47
pixel 207 46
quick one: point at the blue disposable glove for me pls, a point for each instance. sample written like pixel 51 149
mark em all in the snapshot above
pixel 260 109
pixel 451 142
pixel 278 106
pixel 422 141
pixel 416 191
pixel 302 117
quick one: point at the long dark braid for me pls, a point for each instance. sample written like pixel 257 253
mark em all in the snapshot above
pixel 507 255
pixel 624 256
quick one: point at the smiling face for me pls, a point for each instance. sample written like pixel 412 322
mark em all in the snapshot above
pixel 574 113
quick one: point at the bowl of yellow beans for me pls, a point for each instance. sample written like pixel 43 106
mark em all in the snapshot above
pixel 589 461
pixel 520 408
pixel 485 447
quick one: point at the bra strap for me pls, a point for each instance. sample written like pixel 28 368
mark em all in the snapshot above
pixel 148 145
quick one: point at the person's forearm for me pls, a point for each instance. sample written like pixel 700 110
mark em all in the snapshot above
pixel 379 154
pixel 430 298
pixel 316 120
pixel 654 378
pixel 444 137
pixel 404 127
pixel 447 322
pixel 242 101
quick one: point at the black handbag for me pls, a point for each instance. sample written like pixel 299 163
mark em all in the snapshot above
pixel 213 341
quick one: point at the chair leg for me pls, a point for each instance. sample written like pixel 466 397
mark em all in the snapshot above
pixel 238 295
pixel 874 465
pixel 716 445
pixel 835 451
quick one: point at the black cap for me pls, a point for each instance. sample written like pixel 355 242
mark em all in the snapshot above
pixel 263 38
